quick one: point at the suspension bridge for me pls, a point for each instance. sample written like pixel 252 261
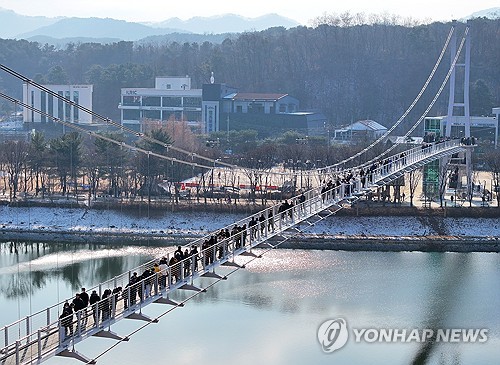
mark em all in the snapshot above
pixel 42 335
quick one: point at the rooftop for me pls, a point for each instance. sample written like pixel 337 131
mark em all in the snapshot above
pixel 255 96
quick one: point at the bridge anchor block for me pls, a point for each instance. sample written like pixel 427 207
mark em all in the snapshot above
pixel 139 316
pixel 76 355
pixel 169 301
pixel 211 274
pixel 110 334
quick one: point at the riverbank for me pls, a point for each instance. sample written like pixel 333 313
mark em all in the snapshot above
pixel 475 209
pixel 354 230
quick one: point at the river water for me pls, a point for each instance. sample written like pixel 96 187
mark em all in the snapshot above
pixel 270 312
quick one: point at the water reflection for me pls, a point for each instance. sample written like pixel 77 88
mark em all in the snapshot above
pixel 26 268
pixel 277 302
pixel 447 289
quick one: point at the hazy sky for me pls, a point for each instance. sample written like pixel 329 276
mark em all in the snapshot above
pixel 300 10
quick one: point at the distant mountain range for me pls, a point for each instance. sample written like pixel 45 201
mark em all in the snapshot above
pixel 227 23
pixel 96 28
pixel 13 23
pixel 60 31
pixel 492 13
pixel 50 30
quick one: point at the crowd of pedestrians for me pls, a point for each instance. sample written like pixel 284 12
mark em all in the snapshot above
pixel 75 315
pixel 174 268
pixel 186 261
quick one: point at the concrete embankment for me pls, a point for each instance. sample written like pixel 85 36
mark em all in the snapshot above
pixel 313 241
pixel 359 228
pixel 424 244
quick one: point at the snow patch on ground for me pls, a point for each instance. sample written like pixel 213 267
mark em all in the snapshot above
pixel 200 223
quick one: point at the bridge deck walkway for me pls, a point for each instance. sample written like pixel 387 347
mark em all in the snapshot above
pixel 23 345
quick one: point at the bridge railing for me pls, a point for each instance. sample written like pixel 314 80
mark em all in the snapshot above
pixel 398 162
pixel 39 327
pixel 27 329
pixel 46 326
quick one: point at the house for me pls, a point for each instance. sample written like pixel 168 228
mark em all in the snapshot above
pixel 259 103
pixel 225 108
pixel 363 129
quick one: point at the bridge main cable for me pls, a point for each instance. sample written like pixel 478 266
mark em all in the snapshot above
pixel 108 120
pixel 431 104
pixel 103 137
pixel 215 161
pixel 412 105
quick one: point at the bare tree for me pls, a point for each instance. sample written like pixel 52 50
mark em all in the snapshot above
pixel 414 178
pixel 253 178
pixel 37 160
pixel 90 168
pixel 443 178
pixel 492 159
pixel 14 154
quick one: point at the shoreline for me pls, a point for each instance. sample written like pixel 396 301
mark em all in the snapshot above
pixel 362 208
pixel 304 241
pixel 399 244
pixel 355 230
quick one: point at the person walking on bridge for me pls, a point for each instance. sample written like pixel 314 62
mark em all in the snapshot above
pixel 163 272
pixel 78 307
pixel 67 321
pixel 104 305
pixel 270 220
pixel 194 255
pixel 262 221
pixel 85 297
pixel 253 229
pixel 93 300
pixel 134 283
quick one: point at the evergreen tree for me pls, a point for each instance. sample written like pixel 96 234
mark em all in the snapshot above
pixel 481 99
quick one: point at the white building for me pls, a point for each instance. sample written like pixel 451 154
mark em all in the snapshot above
pixel 496 111
pixel 41 100
pixel 171 99
pixel 482 127
pixel 208 109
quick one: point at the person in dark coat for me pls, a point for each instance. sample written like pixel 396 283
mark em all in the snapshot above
pixel 179 255
pixel 78 306
pixel 85 297
pixel 66 318
pixel 134 279
pixel 104 305
pixel 270 220
pixel 262 221
pixel 174 269
pixel 93 300
pixel 187 263
pixel 194 255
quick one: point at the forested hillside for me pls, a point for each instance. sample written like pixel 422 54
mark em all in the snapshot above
pixel 348 72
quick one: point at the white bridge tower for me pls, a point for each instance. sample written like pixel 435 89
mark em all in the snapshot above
pixel 458 102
